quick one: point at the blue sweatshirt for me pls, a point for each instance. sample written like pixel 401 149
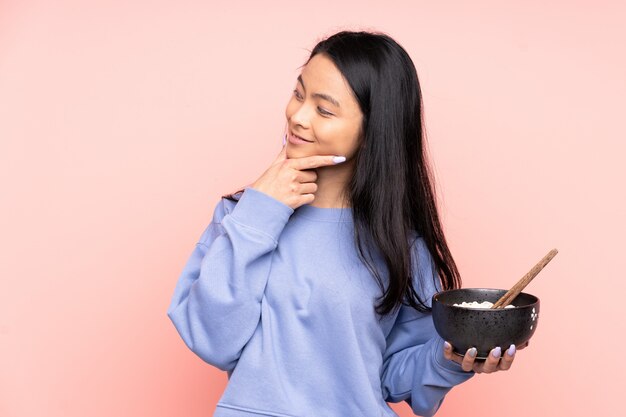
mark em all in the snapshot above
pixel 281 301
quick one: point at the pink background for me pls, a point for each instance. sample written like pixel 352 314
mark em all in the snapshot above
pixel 121 124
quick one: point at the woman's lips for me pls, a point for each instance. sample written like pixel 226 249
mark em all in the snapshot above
pixel 297 140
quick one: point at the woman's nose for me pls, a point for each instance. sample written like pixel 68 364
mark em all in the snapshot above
pixel 301 116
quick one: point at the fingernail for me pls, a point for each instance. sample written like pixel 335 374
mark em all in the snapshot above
pixel 472 352
pixel 447 346
pixel 284 139
pixel 339 159
pixel 511 350
pixel 497 352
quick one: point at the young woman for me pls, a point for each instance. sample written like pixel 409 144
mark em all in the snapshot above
pixel 312 286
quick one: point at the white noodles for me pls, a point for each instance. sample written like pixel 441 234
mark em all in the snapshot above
pixel 476 304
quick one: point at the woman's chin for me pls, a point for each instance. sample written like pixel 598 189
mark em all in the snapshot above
pixel 293 152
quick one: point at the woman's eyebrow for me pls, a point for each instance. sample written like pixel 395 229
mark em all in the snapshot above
pixel 320 95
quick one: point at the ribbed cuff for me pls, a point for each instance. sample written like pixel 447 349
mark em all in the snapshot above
pixel 261 212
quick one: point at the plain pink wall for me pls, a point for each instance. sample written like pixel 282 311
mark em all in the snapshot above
pixel 121 124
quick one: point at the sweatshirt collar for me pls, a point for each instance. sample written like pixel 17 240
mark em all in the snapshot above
pixel 324 214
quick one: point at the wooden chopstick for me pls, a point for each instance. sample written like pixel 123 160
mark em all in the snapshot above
pixel 510 295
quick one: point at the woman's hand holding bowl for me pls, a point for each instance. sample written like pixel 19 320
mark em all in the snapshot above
pixel 496 360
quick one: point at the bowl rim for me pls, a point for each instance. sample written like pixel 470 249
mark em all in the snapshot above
pixel 435 299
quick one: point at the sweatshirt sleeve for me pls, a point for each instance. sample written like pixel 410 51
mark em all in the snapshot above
pixel 216 304
pixel 414 368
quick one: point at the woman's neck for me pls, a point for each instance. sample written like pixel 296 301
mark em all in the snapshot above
pixel 331 185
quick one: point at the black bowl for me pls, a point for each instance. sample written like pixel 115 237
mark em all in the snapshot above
pixel 484 328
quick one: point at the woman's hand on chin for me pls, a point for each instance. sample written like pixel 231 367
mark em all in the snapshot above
pixel 292 181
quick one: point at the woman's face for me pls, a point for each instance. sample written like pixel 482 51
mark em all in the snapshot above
pixel 323 116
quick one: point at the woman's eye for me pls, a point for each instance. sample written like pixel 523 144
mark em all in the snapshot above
pixel 321 110
pixel 324 112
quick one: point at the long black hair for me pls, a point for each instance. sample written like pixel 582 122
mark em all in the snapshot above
pixel 391 190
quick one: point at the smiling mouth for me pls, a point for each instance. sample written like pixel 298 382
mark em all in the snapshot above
pixel 299 138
